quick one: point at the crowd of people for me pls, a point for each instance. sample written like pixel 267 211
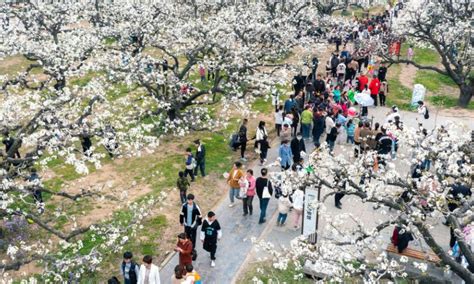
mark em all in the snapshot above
pixel 331 107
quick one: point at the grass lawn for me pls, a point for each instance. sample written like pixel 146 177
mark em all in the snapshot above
pixel 433 81
pixel 398 94
pixel 423 56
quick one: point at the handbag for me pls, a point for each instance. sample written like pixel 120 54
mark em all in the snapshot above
pixel 266 192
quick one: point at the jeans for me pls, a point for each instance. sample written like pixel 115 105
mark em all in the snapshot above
pixel 426 164
pixel 200 165
pixel 182 196
pixel 247 204
pixel 316 139
pixel 306 128
pixel 382 99
pixel 337 198
pixel 374 97
pixel 263 209
pixel 191 231
pixel 190 173
pixel 282 218
pixel 278 129
pixel 331 145
pixel 233 192
pixel 243 147
pixel 350 139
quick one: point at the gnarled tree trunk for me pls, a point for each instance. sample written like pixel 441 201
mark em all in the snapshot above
pixel 465 95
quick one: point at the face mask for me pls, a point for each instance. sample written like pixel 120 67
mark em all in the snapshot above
pixel 299 137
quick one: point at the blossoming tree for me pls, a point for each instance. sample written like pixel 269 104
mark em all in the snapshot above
pixel 110 80
pixel 445 27
pixel 417 203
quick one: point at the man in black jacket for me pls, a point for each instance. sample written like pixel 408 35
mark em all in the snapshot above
pixel 243 139
pixel 200 158
pixel 297 145
pixel 190 217
pixel 264 190
pixel 382 73
pixel 319 85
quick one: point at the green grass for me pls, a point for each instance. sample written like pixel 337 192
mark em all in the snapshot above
pixel 433 81
pixel 423 56
pixel 446 101
pixel 398 94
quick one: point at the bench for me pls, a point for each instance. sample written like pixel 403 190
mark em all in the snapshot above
pixel 415 254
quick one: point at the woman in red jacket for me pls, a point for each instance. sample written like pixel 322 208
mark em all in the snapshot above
pixel 374 87
pixel 363 80
pixel 185 248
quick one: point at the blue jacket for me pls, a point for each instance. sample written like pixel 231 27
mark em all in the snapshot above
pixel 286 155
pixel 289 104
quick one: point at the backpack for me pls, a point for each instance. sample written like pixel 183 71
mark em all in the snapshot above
pixel 426 115
pixel 278 192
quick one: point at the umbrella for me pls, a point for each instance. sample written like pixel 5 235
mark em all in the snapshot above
pixel 364 99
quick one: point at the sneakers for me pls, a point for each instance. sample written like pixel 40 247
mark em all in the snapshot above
pixel 231 205
pixel 243 159
pixel 213 263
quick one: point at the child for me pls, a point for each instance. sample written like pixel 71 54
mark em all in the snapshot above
pixel 410 53
pixel 191 275
pixel 279 119
pixel 284 205
pixel 183 184
pixel 350 130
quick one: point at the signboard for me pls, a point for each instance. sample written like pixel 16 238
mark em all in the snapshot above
pixel 419 92
pixel 309 213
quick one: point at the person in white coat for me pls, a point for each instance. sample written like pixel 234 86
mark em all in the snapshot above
pixel 149 273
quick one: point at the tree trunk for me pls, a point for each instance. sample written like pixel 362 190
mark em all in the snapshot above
pixel 465 95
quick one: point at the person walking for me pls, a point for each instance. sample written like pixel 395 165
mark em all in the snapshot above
pixel 297 146
pixel 284 205
pixel 264 192
pixel 298 203
pixel 247 201
pixel 285 132
pixel 185 249
pixel 362 82
pixel 243 139
pixel 318 126
pixel 278 119
pixel 190 164
pixel 210 233
pixel 350 131
pixel 129 269
pixel 285 155
pixel 306 119
pixel 190 217
pixel 383 92
pixel 410 53
pixel 235 175
pixel 261 136
pixel 374 87
pixel 200 158
pixel 149 272
pixel 183 184
pixel 332 136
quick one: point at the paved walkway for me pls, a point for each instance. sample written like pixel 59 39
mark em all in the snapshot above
pixel 235 248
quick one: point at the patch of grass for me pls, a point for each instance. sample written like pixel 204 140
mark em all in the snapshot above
pixel 423 56
pixel 85 79
pixel 398 94
pixel 446 101
pixel 263 104
pixel 432 80
pixel 110 40
pixel 12 65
